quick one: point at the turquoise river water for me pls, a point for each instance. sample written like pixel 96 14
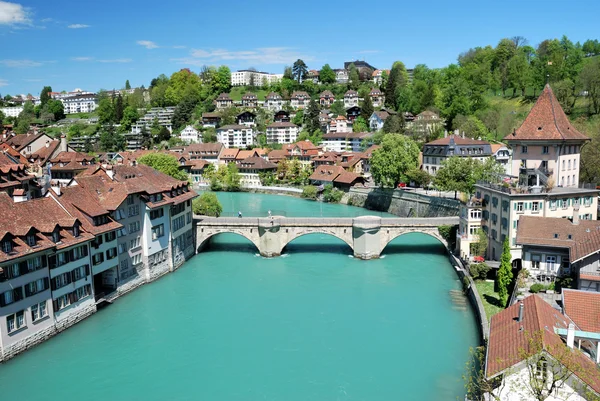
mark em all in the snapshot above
pixel 313 324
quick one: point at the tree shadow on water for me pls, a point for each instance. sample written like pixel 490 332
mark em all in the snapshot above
pixel 430 249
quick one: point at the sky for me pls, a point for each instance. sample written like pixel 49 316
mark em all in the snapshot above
pixel 96 45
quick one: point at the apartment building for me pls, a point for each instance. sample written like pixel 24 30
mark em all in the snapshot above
pixel 299 99
pixel 254 78
pixel 282 133
pixel 350 99
pixel 251 167
pixel 13 111
pixel 273 102
pixel 344 141
pixel 82 103
pixel 235 136
pixel 339 124
pixel 377 97
pixel 436 152
pixel 190 135
pixel 326 99
pixel 223 101
pixel 204 151
pixel 250 100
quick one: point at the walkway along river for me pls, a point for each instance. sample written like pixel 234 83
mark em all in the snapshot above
pixel 315 323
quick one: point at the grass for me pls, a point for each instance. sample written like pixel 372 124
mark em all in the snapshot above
pixel 490 299
pixel 238 91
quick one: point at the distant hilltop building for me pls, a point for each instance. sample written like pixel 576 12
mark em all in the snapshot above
pixel 253 78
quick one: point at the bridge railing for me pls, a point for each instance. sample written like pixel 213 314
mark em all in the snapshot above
pixel 261 213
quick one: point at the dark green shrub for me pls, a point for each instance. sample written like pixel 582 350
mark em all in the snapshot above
pixel 479 271
pixel 537 287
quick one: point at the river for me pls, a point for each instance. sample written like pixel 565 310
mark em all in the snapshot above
pixel 313 324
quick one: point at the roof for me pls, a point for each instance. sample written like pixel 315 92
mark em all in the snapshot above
pixel 428 114
pixel 20 141
pixel 458 140
pixel 45 152
pixel 210 147
pixel 344 135
pixel 347 177
pixel 584 236
pixel 369 151
pixel 375 92
pixel 235 127
pixel 351 93
pixel 273 96
pixel 67 157
pixel 546 121
pixel 496 147
pixel 257 163
pixel 277 154
pixel 211 115
pixel 281 124
pixel 224 97
pixel 326 173
pixel 583 308
pixel 299 94
pixel 229 153
pixel 510 340
pixel 249 96
pixel 382 114
pixel 326 93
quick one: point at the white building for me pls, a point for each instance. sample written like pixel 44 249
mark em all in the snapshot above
pixel 282 132
pixel 190 135
pixel 273 102
pixel 84 103
pixel 350 99
pixel 253 78
pixel 339 124
pixel 235 136
pixel 12 111
pixel 341 76
pixel 344 141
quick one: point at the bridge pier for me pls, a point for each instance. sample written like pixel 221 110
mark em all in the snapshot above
pixel 269 238
pixel 366 237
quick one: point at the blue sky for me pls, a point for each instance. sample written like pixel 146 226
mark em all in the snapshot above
pixel 99 44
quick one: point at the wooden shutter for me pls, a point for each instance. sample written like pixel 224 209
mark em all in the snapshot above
pixel 46 283
pixel 87 270
pixel 73 277
pixel 53 283
pixel 85 250
pixel 52 261
pixel 23 268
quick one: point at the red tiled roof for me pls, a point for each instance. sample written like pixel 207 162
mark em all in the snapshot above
pixel 583 308
pixel 510 341
pixel 256 162
pixel 546 121
pixel 281 124
pixel 326 173
pixel 589 277
pixel 458 140
pixel 347 177
pixel 229 153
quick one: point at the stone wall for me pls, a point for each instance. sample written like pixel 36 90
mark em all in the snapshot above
pixel 402 203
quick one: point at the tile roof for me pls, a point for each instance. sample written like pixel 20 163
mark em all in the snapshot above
pixel 20 141
pixel 496 147
pixel 458 140
pixel 326 173
pixel 297 94
pixel 229 153
pixel 43 154
pixel 349 135
pixel 235 127
pixel 350 93
pixel 211 115
pixel 197 163
pixel 546 121
pixel 204 147
pixel 511 340
pixel 244 154
pixel 273 96
pixel 224 97
pixel 347 177
pixel 66 157
pixel 369 151
pixel 257 163
pixel 281 124
pixel 326 93
pixel 249 96
pixel 584 237
pixel 277 154
pixel 583 308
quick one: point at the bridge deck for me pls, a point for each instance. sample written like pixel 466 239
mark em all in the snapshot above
pixel 327 221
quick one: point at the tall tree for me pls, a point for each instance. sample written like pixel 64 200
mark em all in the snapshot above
pixel 394 124
pixel 45 95
pixel 118 106
pixel 505 274
pixel 299 70
pixel 127 85
pixel 311 117
pixel 397 155
pixel 367 108
pixel 459 174
pixel 397 79
pixel 327 75
pixel 164 163
pixel 288 73
pixel 590 81
pixel 360 125
pixel 338 109
pixel 353 77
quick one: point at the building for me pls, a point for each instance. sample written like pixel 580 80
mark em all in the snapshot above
pixel 83 103
pixel 66 165
pixel 254 78
pixel 503 156
pixel 344 141
pixel 326 99
pixel 162 115
pixel 352 113
pixel 204 151
pixel 377 97
pixel 251 167
pixel 547 145
pixel 250 100
pixel 190 135
pixel 341 76
pixel 299 100
pixel 15 180
pixel 281 116
pixel 436 152
pixel 13 111
pixel 377 120
pixel 198 172
pixel 312 75
pixel 303 151
pixel 583 308
pixel 423 124
pixel 561 248
pixel 246 118
pixel 359 64
pixel 377 76
pixel 282 133
pixel 235 136
pixel 531 344
pixel 350 99
pixel 339 124
pixel 223 101
pixel 336 176
pixel 211 120
pixel 273 102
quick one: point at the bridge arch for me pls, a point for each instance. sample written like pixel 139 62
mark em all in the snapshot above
pixel 344 237
pixel 204 236
pixel 386 240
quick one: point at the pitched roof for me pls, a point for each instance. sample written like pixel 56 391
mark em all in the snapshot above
pixel 224 97
pixel 249 96
pixel 296 94
pixel 375 92
pixel 235 127
pixel 580 239
pixel 67 157
pixel 350 93
pixel 277 154
pixel 326 173
pixel 369 151
pixel 273 96
pixel 204 147
pixel 458 140
pixel 211 115
pixel 496 147
pixel 45 152
pixel 349 135
pixel 583 308
pixel 229 153
pixel 257 163
pixel 546 121
pixel 326 93
pixel 280 124
pixel 20 141
pixel 347 177
pixel 510 340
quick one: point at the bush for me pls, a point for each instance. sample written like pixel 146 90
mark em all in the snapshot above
pixel 479 271
pixel 537 287
pixel 331 194
pixel 564 282
pixel 449 234
pixel 207 204
pixel 309 192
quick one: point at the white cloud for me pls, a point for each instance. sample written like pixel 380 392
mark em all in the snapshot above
pixel 260 56
pixel 20 63
pixel 117 60
pixel 3 82
pixel 78 26
pixel 82 58
pixel 147 44
pixel 13 13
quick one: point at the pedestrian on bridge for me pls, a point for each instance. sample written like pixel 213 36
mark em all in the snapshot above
pixel 240 214
pixel 270 214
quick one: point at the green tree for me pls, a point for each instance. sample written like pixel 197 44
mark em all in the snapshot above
pixel 338 109
pixel 105 110
pixel 45 95
pixel 233 178
pixel 158 89
pixel 360 125
pixel 367 108
pixel 459 174
pixel 394 124
pixel 397 79
pixel 163 135
pixel 309 192
pixel 57 109
pixel 209 135
pixel 418 177
pixel 397 155
pixel 505 274
pixel 479 247
pixel 299 70
pixel 118 107
pixel 127 85
pixel 288 73
pixel 164 163
pixel 130 116
pixel 183 113
pixel 590 82
pixel 353 77
pixel 207 204
pixel 299 117
pixel 327 75
pixel 183 84
pixel 311 117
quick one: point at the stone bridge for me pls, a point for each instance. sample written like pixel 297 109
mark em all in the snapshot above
pixel 367 236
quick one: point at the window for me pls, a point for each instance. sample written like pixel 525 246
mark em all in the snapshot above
pixel 134 243
pixel 137 259
pixel 541 370
pixel 62 302
pixel 79 273
pixel 130 200
pixel 553 204
pixel 121 232
pixel 83 292
pixel 535 261
pixel 569 164
pixel 124 264
pixel 31 240
pixel 155 214
pixel 520 207
pixel 111 253
pixel 98 258
pixel 122 248
pixel 189 217
pixel 34 263
pixel 39 311
pixel 7 246
pixel 158 231
pixel 134 227
pixel 545 150
pixel 97 241
pixel 15 321
pixel 535 207
pixel 134 210
pixel 523 149
pixel 76 231
pixel 178 223
pixel 550 260
pixel 36 286
pixel 14 271
pixel 110 236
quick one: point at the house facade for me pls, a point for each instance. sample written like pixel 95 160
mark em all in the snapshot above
pixel 345 141
pixel 377 97
pixel 436 152
pixel 251 167
pixel 326 99
pixel 350 99
pixel 299 100
pixel 190 135
pixel 84 103
pixel 235 136
pixel 282 133
pixel 274 102
pixel 223 101
pixel 250 100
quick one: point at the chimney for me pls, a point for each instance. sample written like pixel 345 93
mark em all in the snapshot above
pixel 47 144
pixel 445 133
pixel 571 335
pixel 463 134
pixel 63 143
pixel 576 213
pixel 521 311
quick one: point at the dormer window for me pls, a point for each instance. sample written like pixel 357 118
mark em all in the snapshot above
pixel 76 231
pixel 7 246
pixel 55 237
pixel 30 239
pixel 555 235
